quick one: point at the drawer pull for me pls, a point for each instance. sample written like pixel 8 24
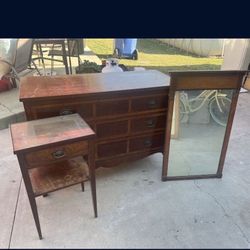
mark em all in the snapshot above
pixel 66 112
pixel 58 154
pixel 152 104
pixel 150 123
pixel 148 143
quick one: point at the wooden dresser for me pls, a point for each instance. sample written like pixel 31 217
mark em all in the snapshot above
pixel 127 110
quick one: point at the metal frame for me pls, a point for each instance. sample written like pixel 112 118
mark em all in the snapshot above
pixel 201 80
pixel 13 74
pixel 58 41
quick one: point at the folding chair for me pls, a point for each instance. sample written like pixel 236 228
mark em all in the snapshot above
pixel 21 59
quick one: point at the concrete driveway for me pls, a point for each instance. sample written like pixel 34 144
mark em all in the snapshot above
pixel 136 209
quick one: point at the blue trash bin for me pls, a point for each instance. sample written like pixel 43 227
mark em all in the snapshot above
pixel 129 46
pixel 119 43
pixel 126 48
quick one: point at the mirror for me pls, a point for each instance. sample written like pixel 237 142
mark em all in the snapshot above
pixel 200 115
pixel 198 129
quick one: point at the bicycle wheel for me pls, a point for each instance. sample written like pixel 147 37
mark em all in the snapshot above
pixel 196 104
pixel 220 117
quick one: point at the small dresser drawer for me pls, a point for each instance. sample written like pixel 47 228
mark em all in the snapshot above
pixel 146 142
pixel 111 148
pixel 56 153
pixel 149 103
pixel 114 107
pixel 109 129
pixel 65 108
pixel 148 123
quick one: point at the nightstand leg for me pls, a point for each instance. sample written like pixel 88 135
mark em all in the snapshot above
pixel 91 163
pixel 93 191
pixel 30 194
pixel 35 214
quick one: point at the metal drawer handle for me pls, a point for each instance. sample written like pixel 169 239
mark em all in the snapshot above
pixel 66 112
pixel 150 123
pixel 58 154
pixel 148 143
pixel 152 104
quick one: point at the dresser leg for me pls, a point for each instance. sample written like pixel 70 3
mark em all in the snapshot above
pixel 82 185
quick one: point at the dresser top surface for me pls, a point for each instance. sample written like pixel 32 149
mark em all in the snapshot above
pixel 47 131
pixel 70 85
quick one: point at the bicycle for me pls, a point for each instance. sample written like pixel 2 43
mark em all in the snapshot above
pixel 219 105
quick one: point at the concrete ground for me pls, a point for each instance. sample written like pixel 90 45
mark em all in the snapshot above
pixel 135 208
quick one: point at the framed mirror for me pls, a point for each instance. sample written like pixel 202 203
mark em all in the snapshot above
pixel 201 109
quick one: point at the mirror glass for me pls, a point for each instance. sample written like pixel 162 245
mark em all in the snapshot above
pixel 198 128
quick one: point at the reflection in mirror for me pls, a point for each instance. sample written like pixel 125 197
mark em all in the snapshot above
pixel 198 128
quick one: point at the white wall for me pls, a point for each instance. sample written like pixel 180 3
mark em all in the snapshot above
pixel 202 47
pixel 236 54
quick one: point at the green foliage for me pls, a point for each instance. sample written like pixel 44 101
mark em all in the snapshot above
pixel 88 67
pixel 153 54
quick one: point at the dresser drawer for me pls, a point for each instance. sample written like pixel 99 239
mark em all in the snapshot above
pixel 146 142
pixel 109 129
pixel 148 123
pixel 111 148
pixel 43 111
pixel 56 153
pixel 149 103
pixel 114 107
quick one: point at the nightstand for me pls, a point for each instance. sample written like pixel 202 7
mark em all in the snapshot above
pixel 51 153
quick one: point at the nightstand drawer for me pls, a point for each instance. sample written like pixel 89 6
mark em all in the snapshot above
pixel 148 123
pixel 146 142
pixel 149 103
pixel 56 153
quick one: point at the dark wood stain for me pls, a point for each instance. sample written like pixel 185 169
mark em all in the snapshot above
pixel 149 141
pixel 117 106
pixel 149 103
pixel 87 84
pixel 114 128
pixel 148 123
pixel 111 149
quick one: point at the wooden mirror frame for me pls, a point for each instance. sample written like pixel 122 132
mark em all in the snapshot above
pixel 201 80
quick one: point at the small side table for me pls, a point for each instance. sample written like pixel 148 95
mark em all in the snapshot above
pixel 51 154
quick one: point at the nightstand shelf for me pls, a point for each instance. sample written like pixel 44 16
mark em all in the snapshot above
pixel 56 176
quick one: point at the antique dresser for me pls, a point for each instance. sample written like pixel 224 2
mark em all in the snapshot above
pixel 127 110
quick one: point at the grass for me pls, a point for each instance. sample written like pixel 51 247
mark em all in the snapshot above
pixel 154 54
